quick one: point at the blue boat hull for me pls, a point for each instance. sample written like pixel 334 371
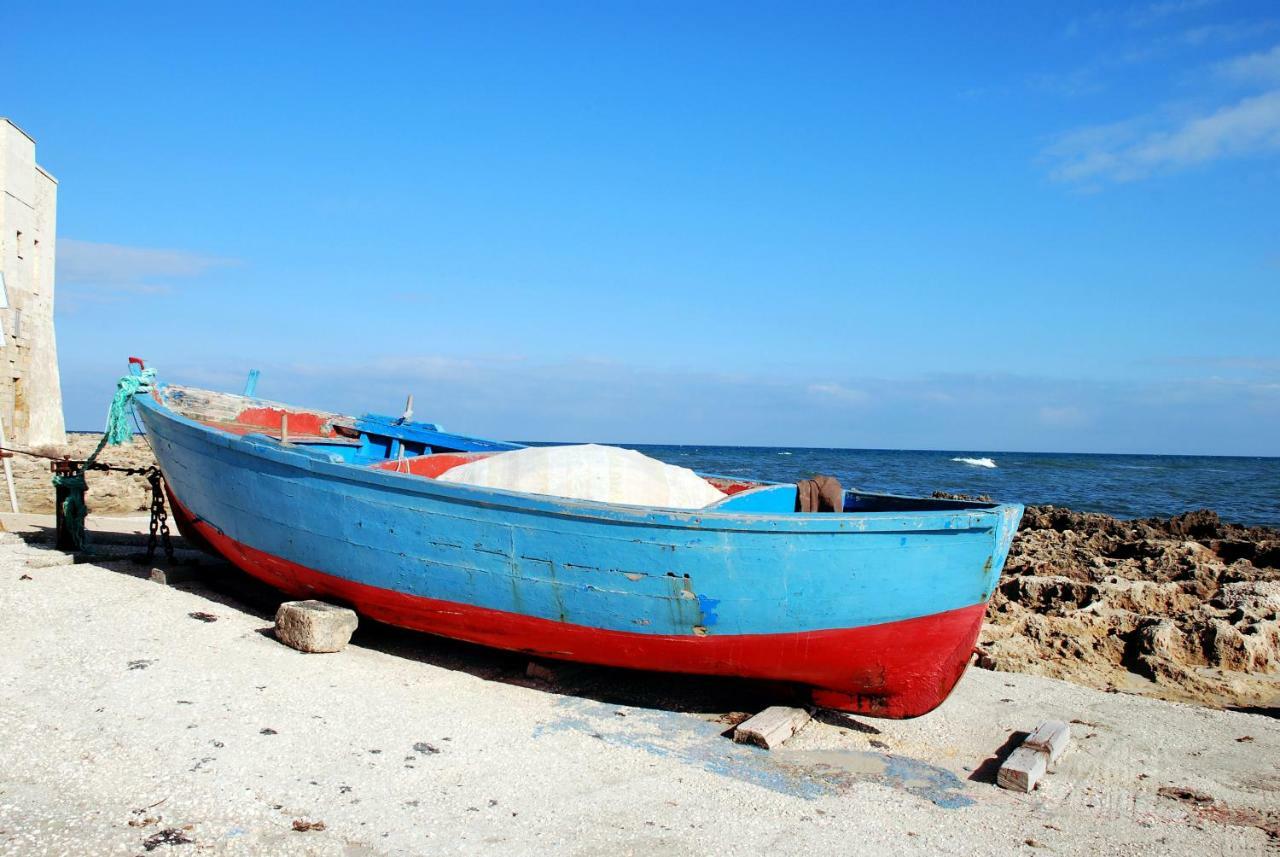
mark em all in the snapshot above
pixel 876 612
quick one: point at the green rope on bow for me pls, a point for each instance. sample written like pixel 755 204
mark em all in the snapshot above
pixel 117 431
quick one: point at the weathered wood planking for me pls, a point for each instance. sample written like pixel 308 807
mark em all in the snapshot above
pixel 1023 769
pixel 555 672
pixel 1027 764
pixel 1050 737
pixel 771 727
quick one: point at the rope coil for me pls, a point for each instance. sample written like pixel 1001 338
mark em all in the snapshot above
pixel 117 432
pixel 73 507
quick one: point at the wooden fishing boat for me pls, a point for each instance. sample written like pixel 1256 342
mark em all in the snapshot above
pixel 873 610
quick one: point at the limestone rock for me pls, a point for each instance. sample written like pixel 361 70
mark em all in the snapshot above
pixel 1184 608
pixel 1162 639
pixel 314 626
pixel 1260 599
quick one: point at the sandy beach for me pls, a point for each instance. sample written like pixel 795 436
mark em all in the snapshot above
pixel 144 716
pixel 138 715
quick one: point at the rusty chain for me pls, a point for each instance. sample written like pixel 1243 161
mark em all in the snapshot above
pixel 159 517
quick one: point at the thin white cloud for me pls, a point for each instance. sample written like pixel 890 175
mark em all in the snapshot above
pixel 1263 66
pixel 408 368
pixel 1145 47
pixel 1152 13
pixel 1136 16
pixel 1085 80
pixel 1121 152
pixel 1224 411
pixel 116 268
pixel 1232 362
pixel 1152 47
pixel 1066 416
pixel 839 393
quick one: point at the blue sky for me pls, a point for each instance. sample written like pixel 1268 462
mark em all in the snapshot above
pixel 1032 226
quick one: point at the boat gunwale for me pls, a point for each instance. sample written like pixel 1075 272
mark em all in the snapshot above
pixel 987 516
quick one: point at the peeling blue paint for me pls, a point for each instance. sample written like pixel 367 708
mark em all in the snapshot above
pixel 708 608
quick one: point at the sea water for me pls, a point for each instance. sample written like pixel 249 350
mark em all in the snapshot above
pixel 1241 490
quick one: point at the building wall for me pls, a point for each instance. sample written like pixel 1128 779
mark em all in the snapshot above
pixel 30 389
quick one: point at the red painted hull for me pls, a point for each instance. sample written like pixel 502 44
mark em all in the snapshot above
pixel 897 669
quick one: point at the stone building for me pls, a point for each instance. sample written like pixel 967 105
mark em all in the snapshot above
pixel 30 391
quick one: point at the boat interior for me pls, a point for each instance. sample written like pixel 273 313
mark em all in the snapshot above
pixel 425 450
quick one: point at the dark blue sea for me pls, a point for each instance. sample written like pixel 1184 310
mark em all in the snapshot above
pixel 1240 490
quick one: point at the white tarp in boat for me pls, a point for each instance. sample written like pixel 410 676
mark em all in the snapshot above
pixel 589 472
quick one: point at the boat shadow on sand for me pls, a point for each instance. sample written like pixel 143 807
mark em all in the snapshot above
pixel 221 582
pixel 687 717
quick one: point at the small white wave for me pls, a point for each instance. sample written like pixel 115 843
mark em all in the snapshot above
pixel 784 453
pixel 976 462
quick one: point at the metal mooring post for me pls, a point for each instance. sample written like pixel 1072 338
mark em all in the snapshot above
pixel 65 467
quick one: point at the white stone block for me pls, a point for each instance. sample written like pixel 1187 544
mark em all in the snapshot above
pixel 314 626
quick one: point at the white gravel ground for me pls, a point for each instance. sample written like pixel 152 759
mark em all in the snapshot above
pixel 122 716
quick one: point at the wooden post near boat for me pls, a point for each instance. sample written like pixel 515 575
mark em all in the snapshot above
pixel 1027 764
pixel 8 469
pixel 1051 738
pixel 64 540
pixel 1022 770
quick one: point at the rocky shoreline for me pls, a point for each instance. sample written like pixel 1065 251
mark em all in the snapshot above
pixel 1184 608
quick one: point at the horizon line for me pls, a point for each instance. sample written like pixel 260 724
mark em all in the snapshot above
pixel 861 448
